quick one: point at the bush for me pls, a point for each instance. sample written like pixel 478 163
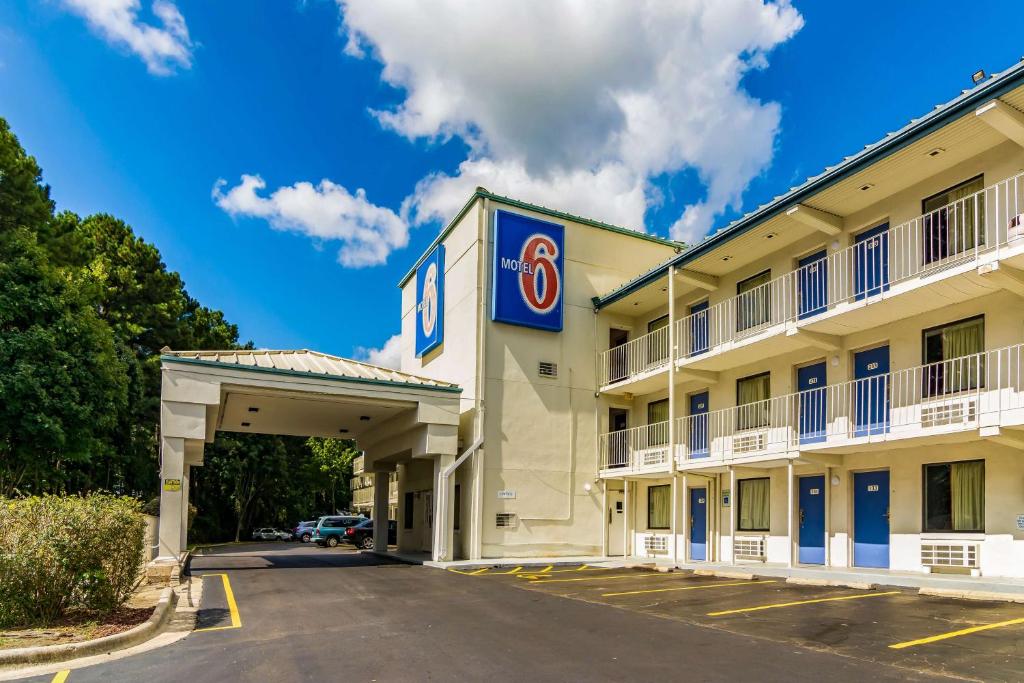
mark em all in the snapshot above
pixel 61 554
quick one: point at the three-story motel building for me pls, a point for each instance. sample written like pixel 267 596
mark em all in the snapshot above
pixel 835 379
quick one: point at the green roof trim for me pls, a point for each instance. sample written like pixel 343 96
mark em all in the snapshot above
pixel 302 373
pixel 481 193
pixel 997 85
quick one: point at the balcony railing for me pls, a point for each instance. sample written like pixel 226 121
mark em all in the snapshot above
pixel 953 395
pixel 636 448
pixel 956 234
pixel 635 357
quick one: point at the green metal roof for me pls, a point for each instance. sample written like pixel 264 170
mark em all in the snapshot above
pixel 482 193
pixel 303 362
pixel 968 100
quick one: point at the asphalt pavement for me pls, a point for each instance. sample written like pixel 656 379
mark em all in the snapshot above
pixel 288 612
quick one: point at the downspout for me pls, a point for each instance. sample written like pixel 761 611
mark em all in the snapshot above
pixel 483 219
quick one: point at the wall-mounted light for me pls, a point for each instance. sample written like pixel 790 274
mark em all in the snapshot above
pixel 253 409
pixel 245 424
pixel 364 418
pixel 587 487
pixel 835 245
pixel 835 361
pixel 343 431
pixel 835 480
pixel 978 76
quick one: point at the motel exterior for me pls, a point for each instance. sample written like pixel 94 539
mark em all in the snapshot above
pixel 833 380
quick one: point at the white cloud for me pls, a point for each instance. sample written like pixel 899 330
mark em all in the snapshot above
pixel 579 103
pixel 162 47
pixel 326 212
pixel 387 356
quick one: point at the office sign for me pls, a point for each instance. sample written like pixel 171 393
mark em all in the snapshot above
pixel 430 302
pixel 528 271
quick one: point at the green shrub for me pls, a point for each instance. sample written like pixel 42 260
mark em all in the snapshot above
pixel 59 554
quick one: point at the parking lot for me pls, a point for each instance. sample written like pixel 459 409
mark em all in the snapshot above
pixel 960 638
pixel 291 612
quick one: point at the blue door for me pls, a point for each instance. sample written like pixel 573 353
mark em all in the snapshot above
pixel 871 391
pixel 871 262
pixel 812 284
pixel 871 519
pixel 812 520
pixel 699 341
pixel 810 382
pixel 699 524
pixel 697 439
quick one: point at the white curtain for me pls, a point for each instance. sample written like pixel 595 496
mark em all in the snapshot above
pixel 754 504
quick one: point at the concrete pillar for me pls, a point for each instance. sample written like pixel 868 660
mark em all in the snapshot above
pixel 675 517
pixel 733 498
pixel 380 511
pixel 686 518
pixel 606 516
pixel 444 509
pixel 626 504
pixel 172 471
pixel 790 513
pixel 186 475
pixel 402 533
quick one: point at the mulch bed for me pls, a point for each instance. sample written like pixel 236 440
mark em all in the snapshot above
pixel 75 628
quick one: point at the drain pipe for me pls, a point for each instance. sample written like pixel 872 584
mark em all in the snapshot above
pixel 483 222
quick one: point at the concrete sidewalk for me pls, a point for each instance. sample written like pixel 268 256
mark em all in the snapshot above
pixel 950 585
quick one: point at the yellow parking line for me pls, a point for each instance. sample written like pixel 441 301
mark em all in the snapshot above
pixel 688 588
pixel 954 634
pixel 482 570
pixel 236 620
pixel 537 579
pixel 60 676
pixel 800 602
pixel 546 569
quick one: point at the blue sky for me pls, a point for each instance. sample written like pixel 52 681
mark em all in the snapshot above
pixel 155 112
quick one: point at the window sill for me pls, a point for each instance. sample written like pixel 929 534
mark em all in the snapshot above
pixel 952 536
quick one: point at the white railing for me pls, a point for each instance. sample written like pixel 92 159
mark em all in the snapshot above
pixel 636 448
pixel 635 357
pixel 951 235
pixel 953 395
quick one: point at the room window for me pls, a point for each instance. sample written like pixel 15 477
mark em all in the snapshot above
pixel 657 344
pixel 659 506
pixel 657 414
pixel 752 394
pixel 754 504
pixel 753 301
pixel 952 357
pixel 954 496
pixel 407 510
pixel 954 220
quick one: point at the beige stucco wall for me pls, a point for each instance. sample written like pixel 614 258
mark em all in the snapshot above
pixel 540 434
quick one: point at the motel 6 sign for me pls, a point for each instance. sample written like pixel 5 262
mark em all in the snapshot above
pixel 430 302
pixel 528 271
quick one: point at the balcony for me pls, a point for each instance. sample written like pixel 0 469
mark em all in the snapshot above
pixel 638 450
pixel 940 402
pixel 915 261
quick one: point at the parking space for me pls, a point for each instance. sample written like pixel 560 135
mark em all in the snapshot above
pixel 962 638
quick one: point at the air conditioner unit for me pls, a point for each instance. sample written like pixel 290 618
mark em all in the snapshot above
pixel 750 548
pixel 654 544
pixel 652 456
pixel 505 520
pixel 749 442
pixel 945 554
pixel 949 412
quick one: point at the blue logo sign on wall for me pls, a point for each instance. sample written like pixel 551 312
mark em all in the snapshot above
pixel 528 271
pixel 430 302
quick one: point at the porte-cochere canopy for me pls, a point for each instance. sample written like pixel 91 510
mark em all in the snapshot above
pixel 395 417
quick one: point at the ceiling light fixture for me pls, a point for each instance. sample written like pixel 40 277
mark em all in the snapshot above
pixel 726 258
pixel 936 152
pixel 245 424
pixel 866 186
pixel 771 235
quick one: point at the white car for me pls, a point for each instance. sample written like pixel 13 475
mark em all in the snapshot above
pixel 270 534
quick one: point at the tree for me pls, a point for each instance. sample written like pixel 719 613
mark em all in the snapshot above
pixel 333 460
pixel 62 380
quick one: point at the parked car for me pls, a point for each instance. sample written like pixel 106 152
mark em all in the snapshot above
pixel 304 531
pixel 330 530
pixel 361 535
pixel 270 534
